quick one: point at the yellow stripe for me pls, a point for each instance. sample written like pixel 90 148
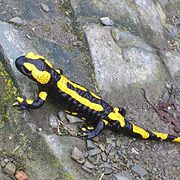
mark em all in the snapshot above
pixel 34 56
pixel 62 85
pixel 43 95
pixel 176 140
pixel 160 135
pixel 116 116
pixel 94 95
pixel 141 131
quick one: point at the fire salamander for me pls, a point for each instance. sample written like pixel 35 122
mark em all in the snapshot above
pixel 78 101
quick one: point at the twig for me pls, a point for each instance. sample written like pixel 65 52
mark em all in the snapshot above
pixel 15 149
pixel 102 175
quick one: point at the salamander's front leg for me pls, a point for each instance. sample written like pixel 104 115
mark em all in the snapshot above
pixel 89 133
pixel 24 103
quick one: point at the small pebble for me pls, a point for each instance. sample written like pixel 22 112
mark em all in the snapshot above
pixel 103 156
pixel 62 116
pixel 123 176
pixel 44 7
pixel 53 121
pixel 88 164
pixel 94 152
pixel 108 171
pixel 20 175
pixel 16 20
pixel 10 168
pixel 139 170
pixel 106 21
pixel 86 169
pixel 90 144
pixel 78 156
pixel 6 160
pixel 73 119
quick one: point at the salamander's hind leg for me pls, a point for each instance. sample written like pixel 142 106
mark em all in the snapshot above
pixel 90 132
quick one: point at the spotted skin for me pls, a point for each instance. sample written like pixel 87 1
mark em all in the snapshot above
pixel 78 101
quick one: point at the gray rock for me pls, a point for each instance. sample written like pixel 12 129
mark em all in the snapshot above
pixel 89 165
pixel 125 175
pixel 128 68
pixel 53 121
pixel 77 155
pixel 6 160
pixel 3 163
pixel 94 152
pixel 139 170
pixel 130 15
pixel 16 20
pixel 73 119
pixel 106 21
pixel 104 156
pixel 62 116
pixel 86 169
pixel 90 144
pixel 108 171
pixel 172 61
pixel 44 7
pixel 10 168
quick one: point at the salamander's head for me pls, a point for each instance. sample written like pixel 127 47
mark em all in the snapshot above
pixel 35 67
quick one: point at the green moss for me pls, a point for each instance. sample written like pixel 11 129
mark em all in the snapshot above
pixel 66 7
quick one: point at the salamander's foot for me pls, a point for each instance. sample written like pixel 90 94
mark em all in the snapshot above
pixel 87 132
pixel 21 103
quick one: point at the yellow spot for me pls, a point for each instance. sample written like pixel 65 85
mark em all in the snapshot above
pixel 176 140
pixel 83 118
pixel 34 56
pixel 67 111
pixel 90 128
pixel 95 95
pixel 74 113
pixel 42 77
pixel 141 131
pixel 116 116
pixel 29 101
pixel 83 129
pixel 19 99
pixel 160 135
pixel 62 85
pixel 105 121
pixel 43 95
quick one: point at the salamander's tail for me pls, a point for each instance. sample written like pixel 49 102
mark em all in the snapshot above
pixel 126 127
